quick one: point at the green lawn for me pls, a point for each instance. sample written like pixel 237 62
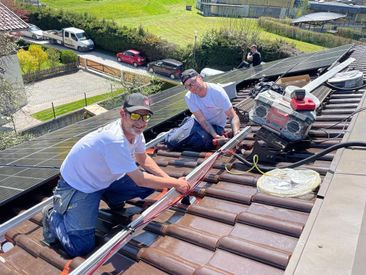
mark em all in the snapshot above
pixel 168 19
pixel 47 114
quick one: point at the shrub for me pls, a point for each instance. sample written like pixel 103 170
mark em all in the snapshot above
pixel 68 56
pixel 53 56
pixel 39 55
pixel 10 138
pixel 284 29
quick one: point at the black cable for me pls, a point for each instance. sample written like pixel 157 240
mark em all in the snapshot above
pixel 301 162
pixel 335 124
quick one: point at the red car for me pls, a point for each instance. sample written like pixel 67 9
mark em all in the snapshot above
pixel 131 57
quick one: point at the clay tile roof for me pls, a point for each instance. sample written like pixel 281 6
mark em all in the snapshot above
pixel 9 21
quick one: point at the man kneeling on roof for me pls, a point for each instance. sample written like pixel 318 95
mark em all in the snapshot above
pixel 210 107
pixel 102 165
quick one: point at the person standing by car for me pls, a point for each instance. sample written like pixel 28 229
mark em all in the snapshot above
pixel 102 165
pixel 210 107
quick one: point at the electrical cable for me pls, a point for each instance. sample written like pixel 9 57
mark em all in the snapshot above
pixel 301 162
pixel 335 124
pixel 345 89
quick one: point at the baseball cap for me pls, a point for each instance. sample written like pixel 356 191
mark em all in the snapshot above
pixel 187 74
pixel 137 101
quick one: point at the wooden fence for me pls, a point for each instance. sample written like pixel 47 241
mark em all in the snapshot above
pixel 118 74
pixel 38 75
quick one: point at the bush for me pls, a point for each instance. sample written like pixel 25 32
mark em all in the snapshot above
pixel 284 29
pixel 10 138
pixel 68 56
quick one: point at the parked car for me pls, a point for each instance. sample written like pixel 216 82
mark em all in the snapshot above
pixel 169 67
pixel 132 57
pixel 33 32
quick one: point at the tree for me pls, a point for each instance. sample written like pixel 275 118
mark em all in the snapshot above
pixel 53 57
pixel 11 100
pixel 39 55
pixel 27 61
pixel 12 94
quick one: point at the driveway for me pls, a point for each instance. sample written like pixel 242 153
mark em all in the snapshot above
pixel 60 90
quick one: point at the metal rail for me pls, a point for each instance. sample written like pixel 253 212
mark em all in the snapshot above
pixel 324 77
pixel 37 208
pixel 120 239
pixel 24 216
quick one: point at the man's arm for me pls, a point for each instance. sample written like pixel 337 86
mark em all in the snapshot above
pixel 250 56
pixel 149 164
pixel 145 179
pixel 234 120
pixel 205 124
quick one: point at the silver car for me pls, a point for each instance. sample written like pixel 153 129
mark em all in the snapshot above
pixel 33 32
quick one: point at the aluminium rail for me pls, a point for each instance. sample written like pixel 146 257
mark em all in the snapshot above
pixel 37 208
pixel 120 239
pixel 324 77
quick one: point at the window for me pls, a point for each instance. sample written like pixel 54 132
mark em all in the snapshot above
pixel 73 36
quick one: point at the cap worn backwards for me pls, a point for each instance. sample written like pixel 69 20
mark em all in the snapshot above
pixel 187 74
pixel 137 101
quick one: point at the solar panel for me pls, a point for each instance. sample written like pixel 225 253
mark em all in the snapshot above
pixel 50 149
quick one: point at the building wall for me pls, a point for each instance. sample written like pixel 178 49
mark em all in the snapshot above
pixel 246 8
pixel 10 71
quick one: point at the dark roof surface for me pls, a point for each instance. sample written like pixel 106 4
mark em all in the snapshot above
pixel 9 21
pixel 231 228
pixel 50 149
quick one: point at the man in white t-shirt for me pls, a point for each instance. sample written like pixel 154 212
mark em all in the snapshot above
pixel 210 107
pixel 102 165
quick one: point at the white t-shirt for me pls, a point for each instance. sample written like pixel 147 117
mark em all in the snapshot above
pixel 100 158
pixel 213 106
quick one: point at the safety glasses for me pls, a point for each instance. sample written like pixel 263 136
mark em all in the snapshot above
pixel 136 117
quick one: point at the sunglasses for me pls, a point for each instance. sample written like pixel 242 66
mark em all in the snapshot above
pixel 136 117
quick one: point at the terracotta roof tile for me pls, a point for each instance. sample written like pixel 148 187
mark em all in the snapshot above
pixel 9 21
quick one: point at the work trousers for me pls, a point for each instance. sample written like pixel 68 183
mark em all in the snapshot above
pixel 191 136
pixel 73 219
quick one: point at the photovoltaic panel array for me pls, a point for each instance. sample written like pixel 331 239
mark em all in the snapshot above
pixel 49 150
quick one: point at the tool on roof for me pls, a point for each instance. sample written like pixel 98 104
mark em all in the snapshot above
pixel 171 197
pixel 285 119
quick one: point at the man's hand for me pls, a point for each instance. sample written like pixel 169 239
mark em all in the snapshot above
pixel 182 185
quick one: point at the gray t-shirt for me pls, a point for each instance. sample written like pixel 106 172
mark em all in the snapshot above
pixel 213 106
pixel 100 158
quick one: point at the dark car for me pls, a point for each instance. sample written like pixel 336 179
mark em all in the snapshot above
pixel 169 67
pixel 133 57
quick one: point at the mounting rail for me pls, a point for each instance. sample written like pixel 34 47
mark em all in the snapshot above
pixel 91 264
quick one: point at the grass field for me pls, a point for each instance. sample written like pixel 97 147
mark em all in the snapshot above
pixel 168 19
pixel 47 114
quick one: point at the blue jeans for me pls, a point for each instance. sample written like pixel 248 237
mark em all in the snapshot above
pixel 74 216
pixel 191 136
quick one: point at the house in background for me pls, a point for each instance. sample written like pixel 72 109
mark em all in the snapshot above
pixel 9 64
pixel 248 8
pixel 355 12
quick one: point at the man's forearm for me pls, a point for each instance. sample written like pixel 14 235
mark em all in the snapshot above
pixel 151 166
pixel 208 128
pixel 235 125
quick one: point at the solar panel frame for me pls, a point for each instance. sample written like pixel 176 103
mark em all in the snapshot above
pixel 51 148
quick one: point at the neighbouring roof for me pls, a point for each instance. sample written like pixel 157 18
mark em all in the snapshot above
pixel 318 17
pixel 9 21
